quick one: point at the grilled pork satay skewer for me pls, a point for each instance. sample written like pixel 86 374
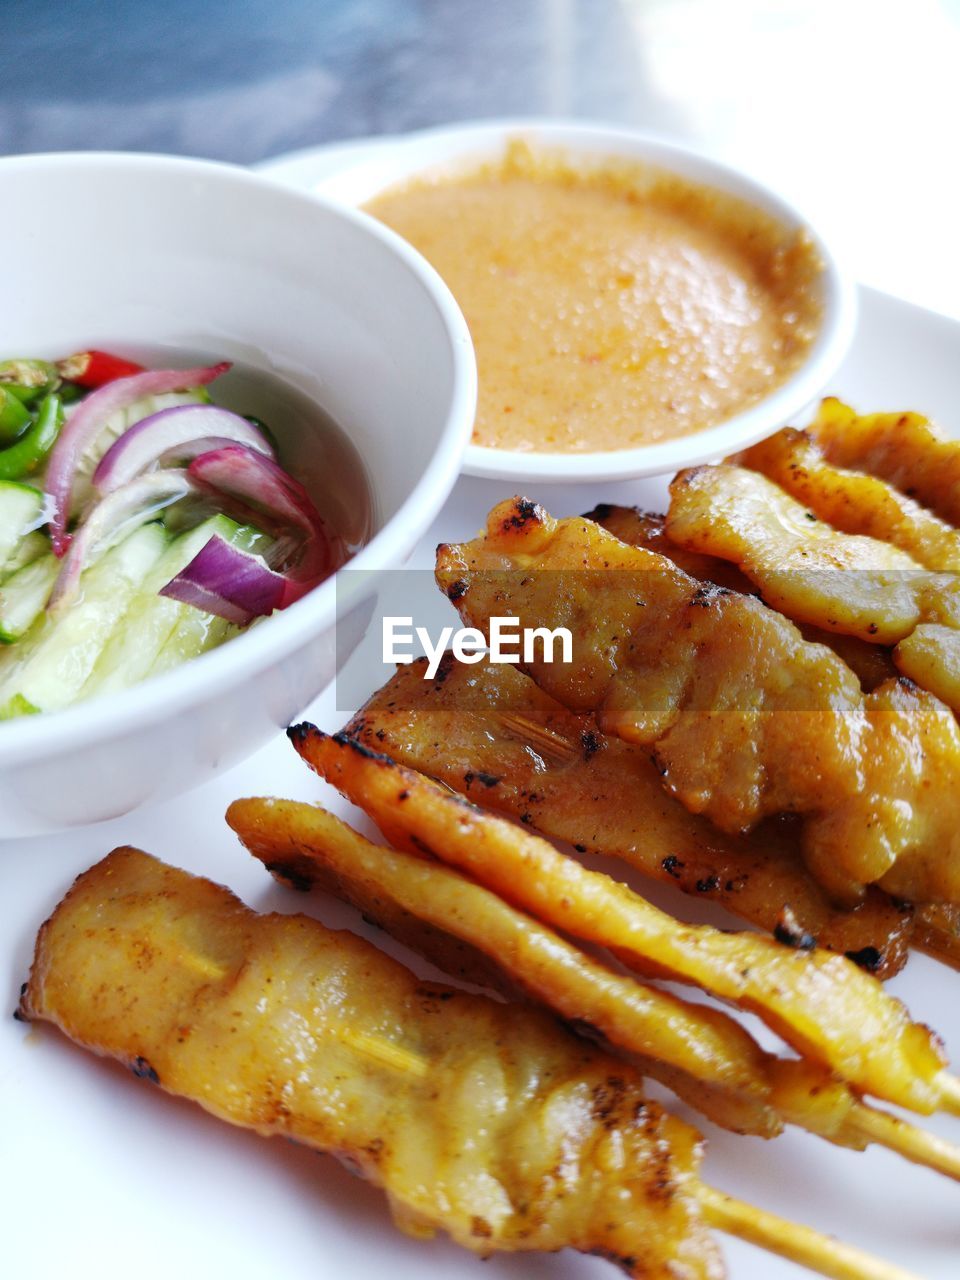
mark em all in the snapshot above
pixel 838 496
pixel 458 1106
pixel 277 1024
pixel 852 501
pixel 822 1004
pixel 871 663
pixel 797 563
pixel 905 449
pixel 763 519
pixel 489 732
pixel 745 718
pixel 502 746
pixel 933 929
pixel 712 1064
pixel 702 1054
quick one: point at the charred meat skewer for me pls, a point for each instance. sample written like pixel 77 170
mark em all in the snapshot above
pixel 277 1024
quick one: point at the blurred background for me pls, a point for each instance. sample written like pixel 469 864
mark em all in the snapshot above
pixel 850 107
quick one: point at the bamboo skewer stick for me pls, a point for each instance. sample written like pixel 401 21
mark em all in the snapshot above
pixel 305 845
pixel 907 1140
pixel 383 1051
pixel 868 1040
pixel 794 1241
pixel 546 741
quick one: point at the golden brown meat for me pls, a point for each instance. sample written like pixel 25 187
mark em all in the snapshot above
pixel 905 449
pixel 930 656
pixel 808 570
pixel 488 731
pixel 822 1004
pixel 477 1118
pixel 648 529
pixel 852 501
pixel 815 574
pixel 702 1054
pixel 745 718
pixel 872 663
pixel 715 1067
pixel 937 932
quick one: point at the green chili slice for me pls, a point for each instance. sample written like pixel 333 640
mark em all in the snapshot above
pixel 31 450
pixel 29 380
pixel 14 416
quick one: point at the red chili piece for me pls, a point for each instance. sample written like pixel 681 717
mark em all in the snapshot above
pixel 96 368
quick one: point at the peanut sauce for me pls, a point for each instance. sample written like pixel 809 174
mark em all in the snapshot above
pixel 610 306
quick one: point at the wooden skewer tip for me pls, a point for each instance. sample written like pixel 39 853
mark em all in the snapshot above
pixel 914 1144
pixel 791 1240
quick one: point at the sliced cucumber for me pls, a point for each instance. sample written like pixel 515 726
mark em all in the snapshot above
pixel 30 548
pixel 196 632
pixel 21 507
pixel 60 651
pixel 115 426
pixel 9 659
pixel 151 618
pixel 24 596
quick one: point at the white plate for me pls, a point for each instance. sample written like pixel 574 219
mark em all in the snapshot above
pixel 103 1175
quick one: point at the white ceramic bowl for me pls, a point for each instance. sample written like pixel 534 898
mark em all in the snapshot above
pixel 402 158
pixel 149 250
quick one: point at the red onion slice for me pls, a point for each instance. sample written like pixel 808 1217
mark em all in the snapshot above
pixel 183 454
pixel 85 424
pixel 136 502
pixel 262 493
pixel 228 582
pixel 179 435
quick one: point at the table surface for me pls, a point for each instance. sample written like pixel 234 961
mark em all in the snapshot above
pixel 850 107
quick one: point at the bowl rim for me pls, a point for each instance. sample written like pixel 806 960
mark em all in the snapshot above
pixel 406 155
pixel 203 678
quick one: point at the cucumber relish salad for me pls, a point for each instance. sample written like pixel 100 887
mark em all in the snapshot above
pixel 140 525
